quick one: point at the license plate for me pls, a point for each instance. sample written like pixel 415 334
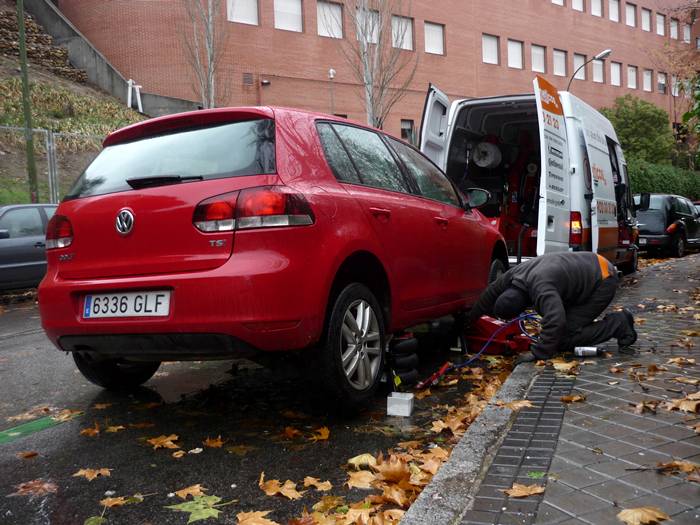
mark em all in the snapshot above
pixel 642 241
pixel 131 304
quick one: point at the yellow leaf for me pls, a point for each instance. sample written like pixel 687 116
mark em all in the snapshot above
pixel 273 487
pixel 680 361
pixel 363 460
pixel 91 431
pixel 577 398
pixel 423 394
pixel 361 479
pixel 356 517
pixel 192 490
pixel 684 405
pixel 562 365
pixel 646 406
pixel 164 441
pixel 393 469
pixel 320 434
pixel 676 466
pixel 323 486
pixel 214 443
pixel 438 426
pixel 90 474
pixel 686 380
pixel 518 404
pixel 431 465
pixel 691 333
pixel 29 454
pixel 395 494
pixel 66 415
pixel 615 370
pixel 289 490
pixel 113 502
pixel 523 491
pixel 178 454
pixel 255 518
pixel 115 428
pixel 291 432
pixel 328 503
pixel 642 516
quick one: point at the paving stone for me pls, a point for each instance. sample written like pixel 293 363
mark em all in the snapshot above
pixel 604 516
pixel 644 439
pixel 581 457
pixel 489 504
pixel 576 503
pixel 479 517
pixel 508 518
pixel 678 449
pixel 580 477
pixel 686 493
pixel 499 481
pixel 689 517
pixel 669 506
pixel 615 469
pixel 490 491
pixel 646 457
pixel 522 506
pixel 546 515
pixel 614 491
pixel 617 448
pixel 650 480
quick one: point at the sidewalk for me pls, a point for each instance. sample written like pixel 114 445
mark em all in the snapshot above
pixel 597 457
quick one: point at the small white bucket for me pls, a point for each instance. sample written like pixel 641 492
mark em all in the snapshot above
pixel 399 404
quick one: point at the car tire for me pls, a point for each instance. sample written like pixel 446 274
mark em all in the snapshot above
pixel 677 246
pixel 114 374
pixel 352 356
pixel 496 269
pixel 632 266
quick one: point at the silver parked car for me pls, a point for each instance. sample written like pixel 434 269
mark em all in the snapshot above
pixel 23 245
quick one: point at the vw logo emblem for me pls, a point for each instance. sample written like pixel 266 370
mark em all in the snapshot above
pixel 125 222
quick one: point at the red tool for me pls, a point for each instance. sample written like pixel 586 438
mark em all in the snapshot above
pixel 510 340
pixel 435 378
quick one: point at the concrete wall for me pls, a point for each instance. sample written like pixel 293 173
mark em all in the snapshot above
pixel 82 54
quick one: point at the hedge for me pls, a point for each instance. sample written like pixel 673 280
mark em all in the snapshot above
pixel 662 178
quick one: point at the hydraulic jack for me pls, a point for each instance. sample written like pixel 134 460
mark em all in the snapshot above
pixel 503 338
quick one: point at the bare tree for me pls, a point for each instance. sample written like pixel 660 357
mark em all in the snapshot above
pixel 378 53
pixel 204 40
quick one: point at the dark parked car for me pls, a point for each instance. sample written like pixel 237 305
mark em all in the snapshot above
pixel 667 222
pixel 22 244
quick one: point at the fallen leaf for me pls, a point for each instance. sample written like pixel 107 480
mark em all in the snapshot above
pixel 395 494
pixel 361 479
pixel 562 365
pixel 142 425
pixel 328 503
pixel 178 454
pixel 113 502
pixel 214 443
pixel 192 490
pixel 239 450
pixel 677 466
pixel 115 428
pixel 255 518
pixel 576 398
pixel 691 333
pixel 363 460
pixel 686 380
pixel 272 487
pixel 536 474
pixel 645 406
pixel 91 431
pixel 90 474
pixel 36 487
pixel 291 432
pixel 356 516
pixel 28 454
pixel 684 405
pixel 680 361
pixel 642 516
pixel 95 520
pixel 438 426
pixel 196 450
pixel 423 394
pixel 523 491
pixel 615 370
pixel 199 508
pixel 101 406
pixel 30 414
pixel 320 434
pixel 66 415
pixel 164 441
pixel 518 404
pixel 323 486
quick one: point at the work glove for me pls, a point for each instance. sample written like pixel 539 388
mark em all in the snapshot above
pixel 525 357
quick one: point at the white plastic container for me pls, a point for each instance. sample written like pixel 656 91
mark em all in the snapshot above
pixel 399 404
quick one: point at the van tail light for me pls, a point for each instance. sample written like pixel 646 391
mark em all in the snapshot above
pixel 262 207
pixel 272 206
pixel 575 229
pixel 672 228
pixel 59 232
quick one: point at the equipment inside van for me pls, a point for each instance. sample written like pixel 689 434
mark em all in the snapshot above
pixel 552 163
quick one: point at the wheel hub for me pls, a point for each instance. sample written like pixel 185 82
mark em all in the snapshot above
pixel 360 345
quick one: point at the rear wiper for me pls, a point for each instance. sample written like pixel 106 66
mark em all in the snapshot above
pixel 160 180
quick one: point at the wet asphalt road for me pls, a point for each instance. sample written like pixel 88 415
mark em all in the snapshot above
pixel 247 405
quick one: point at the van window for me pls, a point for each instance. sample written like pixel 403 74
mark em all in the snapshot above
pixel 372 158
pixel 337 157
pixel 613 161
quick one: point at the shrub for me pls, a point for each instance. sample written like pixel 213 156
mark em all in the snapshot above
pixel 663 178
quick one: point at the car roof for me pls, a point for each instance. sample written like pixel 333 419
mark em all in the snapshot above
pixel 6 207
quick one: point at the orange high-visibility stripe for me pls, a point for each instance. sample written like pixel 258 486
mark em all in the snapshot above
pixel 604 266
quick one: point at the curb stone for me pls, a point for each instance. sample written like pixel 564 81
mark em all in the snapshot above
pixel 451 492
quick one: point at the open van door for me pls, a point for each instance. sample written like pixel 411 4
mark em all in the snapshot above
pixel 433 128
pixel 554 204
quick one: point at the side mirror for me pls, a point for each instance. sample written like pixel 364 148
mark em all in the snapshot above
pixel 476 197
pixel 644 201
pixel 4 234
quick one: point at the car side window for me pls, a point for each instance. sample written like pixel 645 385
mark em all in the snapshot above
pixel 337 157
pixel 374 162
pixel 22 222
pixel 49 211
pixel 432 183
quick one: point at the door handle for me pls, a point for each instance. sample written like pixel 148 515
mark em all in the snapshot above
pixel 442 221
pixel 380 212
pixel 39 244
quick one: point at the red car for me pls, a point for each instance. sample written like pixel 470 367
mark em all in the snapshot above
pixel 227 232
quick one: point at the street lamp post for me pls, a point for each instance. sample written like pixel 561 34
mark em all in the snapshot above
pixel 599 56
pixel 331 76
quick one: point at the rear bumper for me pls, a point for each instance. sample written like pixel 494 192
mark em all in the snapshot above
pixel 653 241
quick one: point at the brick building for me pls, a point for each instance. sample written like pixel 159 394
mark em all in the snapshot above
pixel 280 51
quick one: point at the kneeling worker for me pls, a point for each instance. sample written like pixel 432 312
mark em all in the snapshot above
pixel 569 290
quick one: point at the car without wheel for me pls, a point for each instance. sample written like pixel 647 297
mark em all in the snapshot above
pixel 667 222
pixel 247 231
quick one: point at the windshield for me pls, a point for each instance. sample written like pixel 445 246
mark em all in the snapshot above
pixel 228 150
pixel 656 202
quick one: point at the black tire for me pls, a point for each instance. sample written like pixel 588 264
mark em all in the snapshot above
pixel 631 266
pixel 408 378
pixel 677 248
pixel 352 391
pixel 496 269
pixel 114 374
pixel 405 362
pixel 404 346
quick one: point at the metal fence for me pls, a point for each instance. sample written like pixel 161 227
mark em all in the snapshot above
pixel 60 158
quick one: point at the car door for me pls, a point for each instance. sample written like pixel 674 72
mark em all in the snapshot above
pixel 692 223
pixel 22 252
pixel 369 173
pixel 433 128
pixel 460 258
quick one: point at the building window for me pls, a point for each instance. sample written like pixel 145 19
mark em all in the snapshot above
pixel 243 11
pixel 686 33
pixel 288 15
pixel 598 71
pixel 434 38
pixel 538 58
pixel 597 7
pixel 631 15
pixel 697 43
pixel 579 61
pixel 660 24
pixel 489 49
pixel 614 10
pixel 577 5
pixel 558 2
pixel 329 19
pixel 632 77
pixel 367 25
pixel 408 132
pixel 646 20
pixel 675 86
pixel 615 73
pixel 673 29
pixel 402 32
pixel 559 57
pixel 647 80
pixel 515 54
pixel 661 79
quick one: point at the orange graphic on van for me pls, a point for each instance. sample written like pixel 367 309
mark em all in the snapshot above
pixel 549 97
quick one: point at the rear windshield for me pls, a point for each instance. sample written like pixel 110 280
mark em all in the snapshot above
pixel 656 202
pixel 228 150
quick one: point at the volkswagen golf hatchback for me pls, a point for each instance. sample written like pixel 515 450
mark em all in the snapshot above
pixel 232 232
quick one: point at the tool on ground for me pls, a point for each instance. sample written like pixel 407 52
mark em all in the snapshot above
pixel 588 351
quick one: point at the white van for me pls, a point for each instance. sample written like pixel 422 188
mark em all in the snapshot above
pixel 553 164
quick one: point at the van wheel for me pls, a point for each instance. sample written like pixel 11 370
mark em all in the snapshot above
pixel 631 266
pixel 677 245
pixel 114 374
pixel 496 270
pixel 352 354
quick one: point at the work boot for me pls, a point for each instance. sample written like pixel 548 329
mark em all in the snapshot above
pixel 525 357
pixel 628 335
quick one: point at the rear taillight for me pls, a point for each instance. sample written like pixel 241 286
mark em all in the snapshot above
pixel 262 207
pixel 575 229
pixel 59 232
pixel 672 228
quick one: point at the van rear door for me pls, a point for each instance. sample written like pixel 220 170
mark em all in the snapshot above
pixel 554 206
pixel 433 128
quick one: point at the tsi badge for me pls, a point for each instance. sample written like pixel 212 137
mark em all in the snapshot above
pixel 124 222
pixel 217 243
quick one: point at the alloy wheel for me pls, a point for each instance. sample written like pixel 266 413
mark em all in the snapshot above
pixel 360 345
